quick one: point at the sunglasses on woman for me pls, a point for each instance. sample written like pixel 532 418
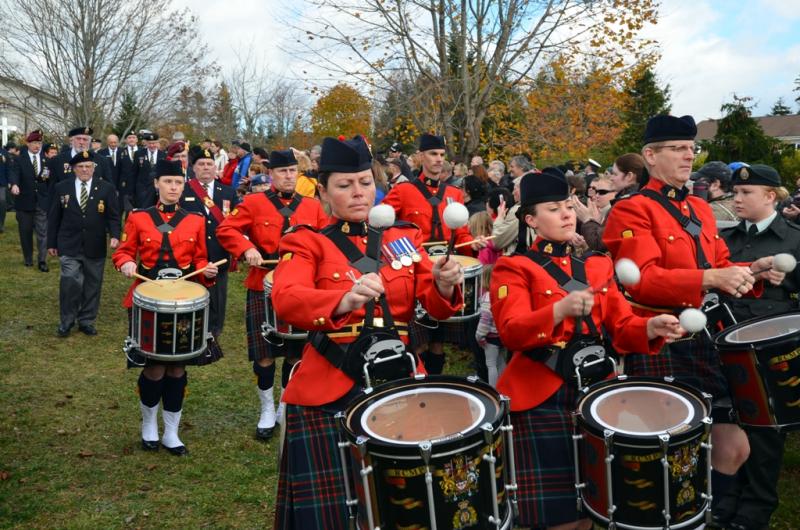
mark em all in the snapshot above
pixel 599 192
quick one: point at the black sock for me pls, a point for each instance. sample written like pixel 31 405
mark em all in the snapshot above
pixel 265 374
pixel 149 390
pixel 720 483
pixel 434 363
pixel 286 370
pixel 174 390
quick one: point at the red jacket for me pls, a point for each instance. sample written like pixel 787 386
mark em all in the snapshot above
pixel 522 295
pixel 227 172
pixel 311 280
pixel 258 219
pixel 640 229
pixel 410 205
pixel 141 237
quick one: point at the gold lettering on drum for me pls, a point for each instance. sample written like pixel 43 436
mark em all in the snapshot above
pixel 643 458
pixel 793 404
pixel 792 381
pixel 782 359
pixel 643 505
pixel 409 503
pixel 640 483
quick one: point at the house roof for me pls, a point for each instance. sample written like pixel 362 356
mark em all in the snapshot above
pixel 781 127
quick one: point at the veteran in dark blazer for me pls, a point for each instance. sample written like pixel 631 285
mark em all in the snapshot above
pixel 214 201
pixel 30 181
pixel 126 182
pixel 83 212
pixel 80 139
pixel 144 168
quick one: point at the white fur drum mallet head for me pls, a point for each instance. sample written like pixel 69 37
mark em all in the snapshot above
pixel 693 320
pixel 381 216
pixel 455 215
pixel 784 262
pixel 627 271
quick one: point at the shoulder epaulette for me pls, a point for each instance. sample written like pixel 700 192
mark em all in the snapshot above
pixel 594 254
pixel 404 224
pixel 295 228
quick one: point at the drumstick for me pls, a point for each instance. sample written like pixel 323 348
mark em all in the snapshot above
pixel 268 262
pixel 143 278
pixel 433 243
pixel 465 243
pixel 198 271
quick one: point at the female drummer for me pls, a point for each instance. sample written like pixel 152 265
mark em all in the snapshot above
pixel 317 287
pixel 536 317
pixel 751 500
pixel 164 236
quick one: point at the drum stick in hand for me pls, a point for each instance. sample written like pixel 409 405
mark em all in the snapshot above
pixel 465 243
pixel 198 271
pixel 143 278
pixel 455 216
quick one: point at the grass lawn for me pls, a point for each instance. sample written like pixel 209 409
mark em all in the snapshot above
pixel 69 435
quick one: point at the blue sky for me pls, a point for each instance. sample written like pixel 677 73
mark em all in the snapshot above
pixel 710 49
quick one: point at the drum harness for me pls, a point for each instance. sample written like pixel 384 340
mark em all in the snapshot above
pixel 166 266
pixel 583 359
pixel 376 344
pixel 437 234
pixel 286 210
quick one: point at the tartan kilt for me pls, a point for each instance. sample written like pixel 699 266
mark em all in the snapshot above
pixel 447 332
pixel 311 491
pixel 212 354
pixel 257 346
pixel 545 461
pixel 694 361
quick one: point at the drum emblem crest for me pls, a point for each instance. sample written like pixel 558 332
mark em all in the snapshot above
pixel 183 327
pixel 684 461
pixel 466 516
pixel 459 478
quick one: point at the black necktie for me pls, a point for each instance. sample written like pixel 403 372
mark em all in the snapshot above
pixel 753 230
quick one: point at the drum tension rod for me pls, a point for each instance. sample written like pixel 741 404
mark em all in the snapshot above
pixel 664 442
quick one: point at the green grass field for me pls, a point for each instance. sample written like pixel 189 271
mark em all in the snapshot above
pixel 69 435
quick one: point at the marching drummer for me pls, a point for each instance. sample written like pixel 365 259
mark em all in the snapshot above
pixel 252 232
pixel 320 285
pixel 749 504
pixel 538 297
pixel 672 237
pixel 422 202
pixel 167 240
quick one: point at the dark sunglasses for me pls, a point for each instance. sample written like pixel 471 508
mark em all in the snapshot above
pixel 600 192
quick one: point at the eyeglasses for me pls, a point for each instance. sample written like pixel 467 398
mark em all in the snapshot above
pixel 592 191
pixel 678 148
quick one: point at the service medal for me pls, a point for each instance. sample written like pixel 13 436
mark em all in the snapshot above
pixel 208 202
pixel 101 207
pixel 406 260
pixel 226 206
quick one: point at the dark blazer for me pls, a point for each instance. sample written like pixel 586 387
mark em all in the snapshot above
pixel 61 170
pixel 126 183
pixel 5 165
pixel 225 198
pixel 114 165
pixel 144 191
pixel 77 233
pixel 34 189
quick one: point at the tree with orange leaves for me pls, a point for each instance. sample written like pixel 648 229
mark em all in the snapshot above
pixel 341 111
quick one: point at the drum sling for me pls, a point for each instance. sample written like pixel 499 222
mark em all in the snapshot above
pixel 374 341
pixel 584 350
pixel 166 257
pixel 437 234
pixel 286 211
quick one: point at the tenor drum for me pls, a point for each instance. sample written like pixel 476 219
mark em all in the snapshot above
pixel 642 454
pixel 273 328
pixel 761 360
pixel 169 320
pixel 470 289
pixel 430 452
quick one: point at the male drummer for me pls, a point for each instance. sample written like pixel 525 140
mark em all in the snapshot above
pixel 678 267
pixel 251 232
pixel 422 202
pixel 214 201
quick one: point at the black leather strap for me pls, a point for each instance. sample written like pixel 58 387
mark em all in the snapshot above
pixel 437 234
pixel 691 224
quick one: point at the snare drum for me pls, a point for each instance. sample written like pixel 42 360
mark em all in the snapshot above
pixel 470 289
pixel 272 326
pixel 761 360
pixel 169 320
pixel 430 452
pixel 642 454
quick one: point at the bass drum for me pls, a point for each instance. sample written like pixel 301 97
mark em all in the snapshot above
pixel 430 452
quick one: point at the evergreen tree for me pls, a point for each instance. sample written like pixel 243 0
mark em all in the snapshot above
pixel 130 116
pixel 224 121
pixel 797 89
pixel 739 137
pixel 645 100
pixel 779 109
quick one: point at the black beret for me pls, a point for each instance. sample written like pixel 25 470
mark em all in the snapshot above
pixel 260 151
pixel 756 175
pixel 712 171
pixel 168 168
pixel 150 136
pixel 547 186
pixel 245 146
pixel 345 156
pixel 395 147
pixel 82 156
pixel 198 153
pixel 81 130
pixel 284 158
pixel 664 127
pixel 431 141
pixel 129 133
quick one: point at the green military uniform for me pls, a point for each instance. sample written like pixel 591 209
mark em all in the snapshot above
pixel 750 502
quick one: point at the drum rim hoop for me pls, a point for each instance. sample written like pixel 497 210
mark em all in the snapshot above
pixel 721 342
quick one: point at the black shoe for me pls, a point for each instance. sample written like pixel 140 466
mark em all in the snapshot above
pixel 742 523
pixel 63 331
pixel 177 451
pixel 265 433
pixel 43 267
pixel 87 329
pixel 720 520
pixel 147 445
pixel 29 264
